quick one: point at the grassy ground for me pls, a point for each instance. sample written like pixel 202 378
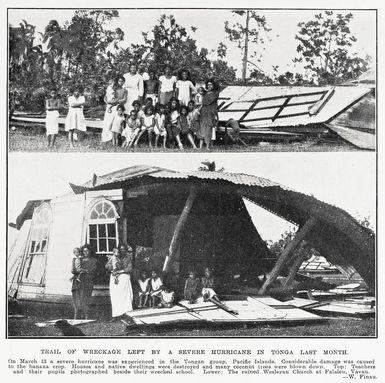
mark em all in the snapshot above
pixel 33 139
pixel 335 327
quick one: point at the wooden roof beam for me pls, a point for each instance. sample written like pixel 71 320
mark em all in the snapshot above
pixel 287 253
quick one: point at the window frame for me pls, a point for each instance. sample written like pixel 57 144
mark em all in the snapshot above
pixel 30 255
pixel 103 221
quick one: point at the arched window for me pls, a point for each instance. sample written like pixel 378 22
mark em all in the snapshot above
pixel 34 265
pixel 103 227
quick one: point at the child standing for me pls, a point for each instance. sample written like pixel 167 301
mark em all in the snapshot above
pixel 148 124
pixel 110 95
pixel 131 130
pixel 156 286
pixel 184 88
pixel 75 119
pixel 166 86
pixel 52 106
pixel 173 128
pixel 184 126
pixel 117 124
pixel 192 288
pixel 160 126
pixel 144 289
pixel 193 118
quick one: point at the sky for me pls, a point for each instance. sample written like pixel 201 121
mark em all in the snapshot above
pixel 346 180
pixel 210 23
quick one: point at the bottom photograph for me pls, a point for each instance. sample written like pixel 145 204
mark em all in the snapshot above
pixel 192 245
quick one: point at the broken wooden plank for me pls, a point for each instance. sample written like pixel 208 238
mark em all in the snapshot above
pixel 179 228
pixel 288 251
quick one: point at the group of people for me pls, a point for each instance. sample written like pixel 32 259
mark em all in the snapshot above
pixel 152 291
pixel 139 104
pixel 171 109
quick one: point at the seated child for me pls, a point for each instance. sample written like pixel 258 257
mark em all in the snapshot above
pixel 160 125
pixel 144 289
pixel 208 285
pixel 172 126
pixel 131 130
pixel 235 129
pixel 148 124
pixel 77 265
pixel 192 288
pixel 156 287
pixel 167 297
pixel 110 95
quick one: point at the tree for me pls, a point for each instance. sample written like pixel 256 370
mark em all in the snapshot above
pixel 254 30
pixel 326 48
pixel 170 43
pixel 25 66
pixel 80 52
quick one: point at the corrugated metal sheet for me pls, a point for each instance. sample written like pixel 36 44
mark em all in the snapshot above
pixel 159 173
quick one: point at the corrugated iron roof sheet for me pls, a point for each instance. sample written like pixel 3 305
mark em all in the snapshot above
pixel 156 172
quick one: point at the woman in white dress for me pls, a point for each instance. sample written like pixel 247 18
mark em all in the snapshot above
pixel 52 106
pixel 120 284
pixel 134 86
pixel 120 99
pixel 75 118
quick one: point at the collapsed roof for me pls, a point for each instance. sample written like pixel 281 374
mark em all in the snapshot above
pixel 336 234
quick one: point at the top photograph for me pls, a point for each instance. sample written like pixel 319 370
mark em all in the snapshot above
pixel 172 80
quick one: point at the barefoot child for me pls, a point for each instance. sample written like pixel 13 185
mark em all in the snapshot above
pixel 117 124
pixel 52 106
pixel 193 118
pixel 173 128
pixel 144 289
pixel 184 126
pixel 148 124
pixel 131 130
pixel 156 287
pixel 160 126
pixel 192 288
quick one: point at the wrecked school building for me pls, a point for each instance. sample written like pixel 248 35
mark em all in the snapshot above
pixel 175 221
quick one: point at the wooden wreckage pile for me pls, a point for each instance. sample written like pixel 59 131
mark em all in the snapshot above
pixel 193 220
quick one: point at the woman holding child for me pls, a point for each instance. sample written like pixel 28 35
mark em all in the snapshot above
pixel 120 266
pixel 115 95
pixel 83 270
